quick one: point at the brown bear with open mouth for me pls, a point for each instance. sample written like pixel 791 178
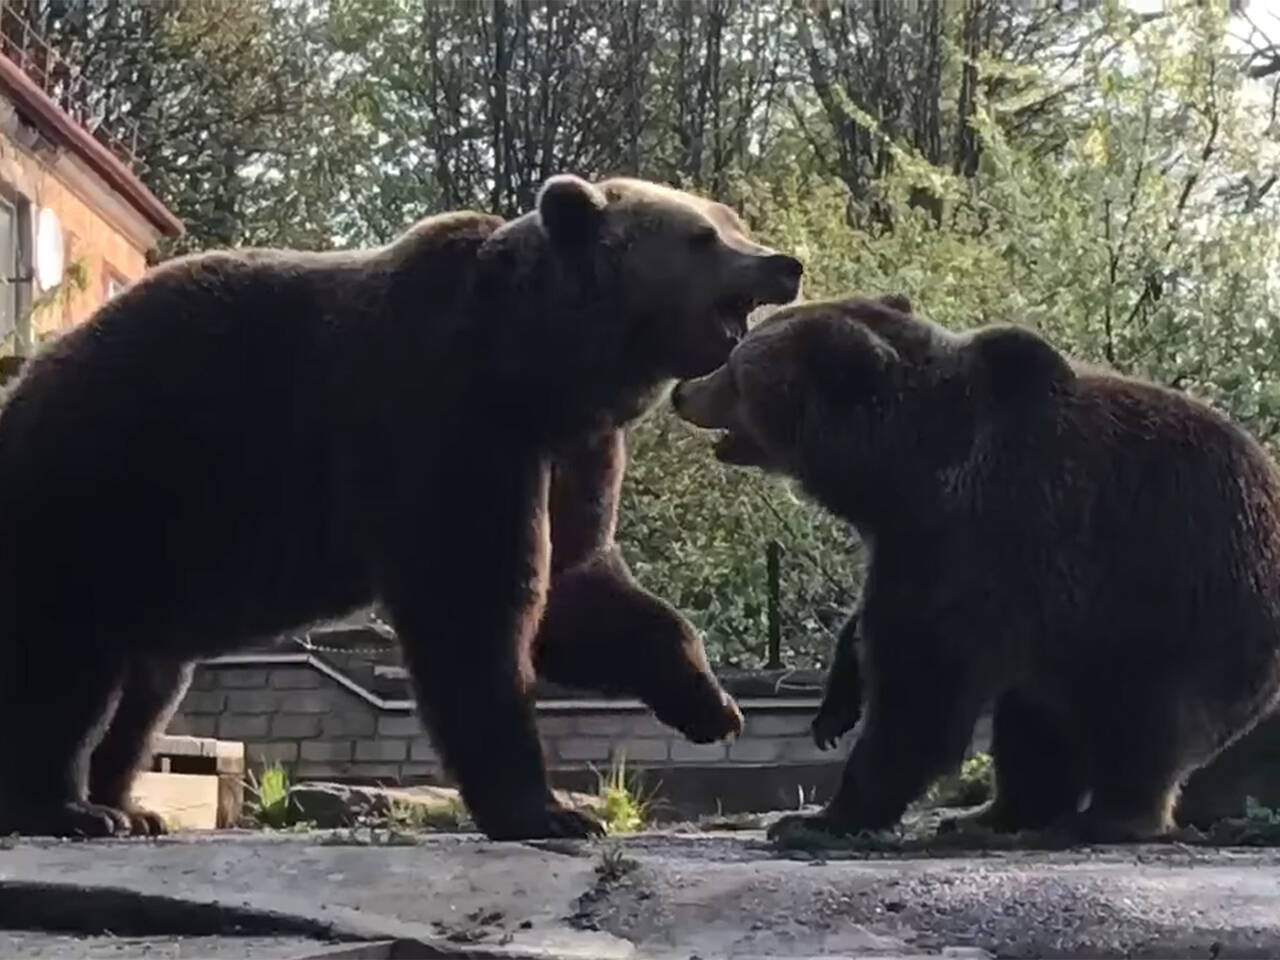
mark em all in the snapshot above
pixel 1096 556
pixel 244 442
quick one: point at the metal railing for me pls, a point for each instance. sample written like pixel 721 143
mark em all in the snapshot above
pixel 66 85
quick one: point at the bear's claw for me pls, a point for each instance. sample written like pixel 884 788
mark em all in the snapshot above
pixel 76 818
pixel 145 823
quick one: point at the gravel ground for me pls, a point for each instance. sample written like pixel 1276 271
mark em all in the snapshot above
pixel 718 896
pixel 672 895
pixel 35 943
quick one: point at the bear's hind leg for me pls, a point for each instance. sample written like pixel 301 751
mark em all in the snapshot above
pixel 152 690
pixel 1136 760
pixel 1038 780
pixel 1128 808
pixel 56 700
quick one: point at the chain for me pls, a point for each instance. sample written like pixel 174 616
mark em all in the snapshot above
pixel 306 643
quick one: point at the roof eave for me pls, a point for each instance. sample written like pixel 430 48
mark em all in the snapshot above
pixel 55 123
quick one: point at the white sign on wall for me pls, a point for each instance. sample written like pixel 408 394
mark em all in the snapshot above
pixel 50 251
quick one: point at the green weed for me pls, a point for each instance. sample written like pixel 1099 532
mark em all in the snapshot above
pixel 969 786
pixel 448 817
pixel 614 864
pixel 626 806
pixel 369 837
pixel 269 802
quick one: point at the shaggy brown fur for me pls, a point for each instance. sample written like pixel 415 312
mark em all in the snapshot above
pixel 245 442
pixel 1096 556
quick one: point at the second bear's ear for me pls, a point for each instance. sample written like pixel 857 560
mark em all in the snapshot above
pixel 570 209
pixel 1019 366
pixel 897 301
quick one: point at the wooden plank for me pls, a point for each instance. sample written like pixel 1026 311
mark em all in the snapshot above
pixel 225 756
pixel 186 801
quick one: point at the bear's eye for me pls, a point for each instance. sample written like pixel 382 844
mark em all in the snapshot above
pixel 704 237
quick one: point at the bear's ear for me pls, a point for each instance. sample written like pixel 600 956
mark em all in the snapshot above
pixel 570 209
pixel 897 301
pixel 1019 366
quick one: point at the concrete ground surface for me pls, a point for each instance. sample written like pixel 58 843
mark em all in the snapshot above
pixel 352 894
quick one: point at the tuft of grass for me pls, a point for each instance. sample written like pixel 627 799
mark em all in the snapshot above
pixel 625 805
pixel 614 864
pixel 803 839
pixel 369 837
pixel 1259 827
pixel 969 786
pixel 270 804
pixel 408 815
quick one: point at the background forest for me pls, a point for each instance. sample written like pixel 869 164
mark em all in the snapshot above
pixel 1104 172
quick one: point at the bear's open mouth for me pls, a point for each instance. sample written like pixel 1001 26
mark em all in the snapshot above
pixel 732 315
pixel 734 448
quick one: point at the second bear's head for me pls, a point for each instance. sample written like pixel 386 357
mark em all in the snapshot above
pixel 874 409
pixel 633 281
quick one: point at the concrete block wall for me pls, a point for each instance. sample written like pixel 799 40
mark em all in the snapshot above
pixel 300 716
pixel 298 710
pixel 301 711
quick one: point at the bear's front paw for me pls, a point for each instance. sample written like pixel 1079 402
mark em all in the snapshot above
pixel 828 727
pixel 551 822
pixel 145 823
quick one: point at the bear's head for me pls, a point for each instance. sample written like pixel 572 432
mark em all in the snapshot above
pixel 609 291
pixel 874 409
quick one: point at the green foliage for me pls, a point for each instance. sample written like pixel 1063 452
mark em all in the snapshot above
pixel 969 786
pixel 614 864
pixel 696 532
pixel 1258 827
pixel 369 837
pixel 448 817
pixel 1104 176
pixel 625 805
pixel 269 802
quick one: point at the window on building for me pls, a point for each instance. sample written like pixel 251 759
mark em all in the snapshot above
pixel 9 283
pixel 112 282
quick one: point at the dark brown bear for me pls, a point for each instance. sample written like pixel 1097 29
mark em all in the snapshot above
pixel 245 442
pixel 1096 556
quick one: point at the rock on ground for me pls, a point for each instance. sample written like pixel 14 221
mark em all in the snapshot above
pixel 330 805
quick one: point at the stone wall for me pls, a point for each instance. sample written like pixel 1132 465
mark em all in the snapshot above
pixel 305 712
pixel 299 710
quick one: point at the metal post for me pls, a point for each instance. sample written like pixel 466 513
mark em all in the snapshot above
pixel 773 558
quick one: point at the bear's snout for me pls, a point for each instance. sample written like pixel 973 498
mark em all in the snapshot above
pixel 706 401
pixel 783 275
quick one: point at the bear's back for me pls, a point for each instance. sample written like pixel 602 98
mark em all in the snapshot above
pixel 1152 508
